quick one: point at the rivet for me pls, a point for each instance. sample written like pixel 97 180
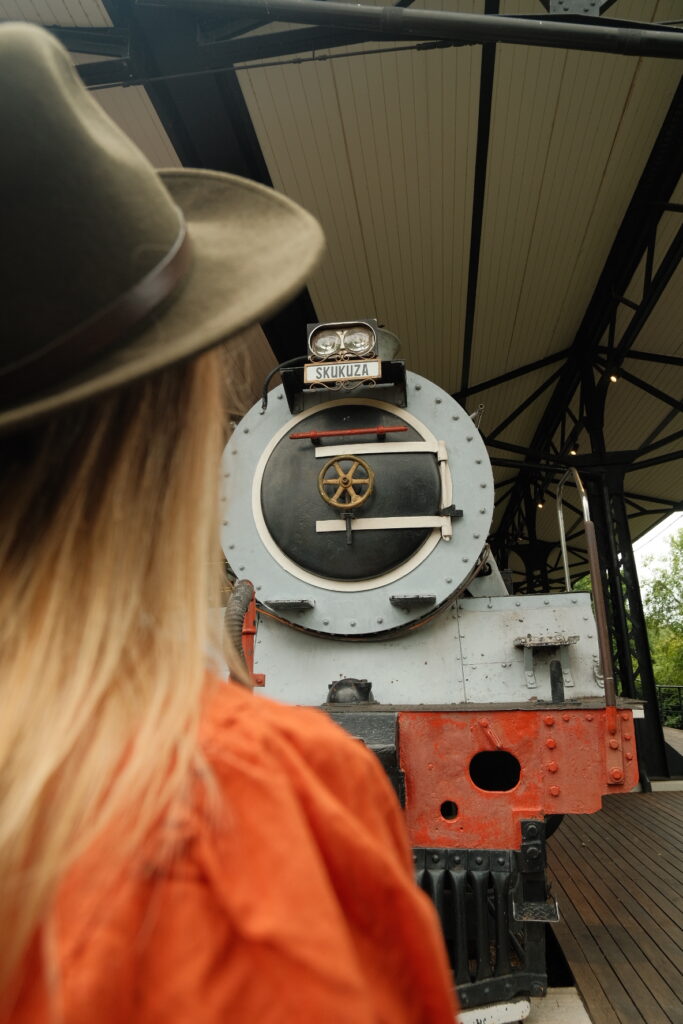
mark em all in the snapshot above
pixel 549 720
pixel 435 858
pixel 482 485
pixel 246 430
pixel 484 723
pixel 616 774
pixel 225 522
pixel 234 451
pixel 418 387
pixel 226 475
pixel 554 791
pixel 546 602
pixel 482 511
pixel 627 735
pixel 573 600
pixel 478 462
pixel 478 859
pixel 455 418
pixel 552 766
pixel 465 559
pixel 279 397
pixel 614 744
pixel 551 744
pixel 501 860
pixel 456 860
pixel 258 587
pixel 589 718
pixel 624 716
pixel 589 636
pixel 231 547
pixel 353 623
pixel 469 438
pixel 449 579
pixel 476 536
pixel 241 568
pixel 517 603
pixel 565 718
pixel 437 401
pixel 629 757
pixel 380 621
pixel 326 622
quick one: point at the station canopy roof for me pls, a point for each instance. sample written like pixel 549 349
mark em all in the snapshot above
pixel 511 211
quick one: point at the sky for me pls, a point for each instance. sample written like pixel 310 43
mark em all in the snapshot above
pixel 655 543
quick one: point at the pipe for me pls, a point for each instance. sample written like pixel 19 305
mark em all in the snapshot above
pixel 236 607
pixel 398 22
pixel 604 647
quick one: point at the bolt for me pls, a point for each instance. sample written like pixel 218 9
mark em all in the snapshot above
pixel 533 853
pixel 551 744
pixel 614 744
pixel 531 831
pixel 552 766
pixel 554 790
pixel 616 774
pixel 549 720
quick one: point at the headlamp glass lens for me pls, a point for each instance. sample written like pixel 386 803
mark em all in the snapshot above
pixel 325 344
pixel 359 341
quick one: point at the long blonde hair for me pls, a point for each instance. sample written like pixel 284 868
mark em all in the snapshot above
pixel 107 539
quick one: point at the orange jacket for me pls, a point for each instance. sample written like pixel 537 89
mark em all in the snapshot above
pixel 297 907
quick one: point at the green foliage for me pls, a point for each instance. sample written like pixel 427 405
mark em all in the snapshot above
pixel 663 603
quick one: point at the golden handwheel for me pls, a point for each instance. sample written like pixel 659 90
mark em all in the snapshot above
pixel 346 482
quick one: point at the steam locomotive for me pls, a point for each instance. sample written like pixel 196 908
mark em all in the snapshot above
pixel 358 499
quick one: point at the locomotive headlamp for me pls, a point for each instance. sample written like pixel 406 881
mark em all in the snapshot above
pixel 355 340
pixel 359 342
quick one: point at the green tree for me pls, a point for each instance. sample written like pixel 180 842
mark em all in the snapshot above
pixel 663 603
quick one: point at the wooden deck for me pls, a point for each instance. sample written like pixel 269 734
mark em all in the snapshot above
pixel 618 877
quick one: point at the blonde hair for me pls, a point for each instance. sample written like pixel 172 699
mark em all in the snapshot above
pixel 107 539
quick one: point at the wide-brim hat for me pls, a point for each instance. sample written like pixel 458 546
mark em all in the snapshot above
pixel 110 270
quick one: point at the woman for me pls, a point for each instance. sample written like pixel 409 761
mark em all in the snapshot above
pixel 171 848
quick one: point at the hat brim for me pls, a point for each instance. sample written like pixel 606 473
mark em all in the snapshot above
pixel 252 250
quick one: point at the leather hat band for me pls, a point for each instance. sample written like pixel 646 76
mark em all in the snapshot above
pixel 71 353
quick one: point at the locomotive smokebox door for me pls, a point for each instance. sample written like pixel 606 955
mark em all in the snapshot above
pixel 336 480
pixel 357 517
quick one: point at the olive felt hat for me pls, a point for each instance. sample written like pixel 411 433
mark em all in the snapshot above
pixel 110 270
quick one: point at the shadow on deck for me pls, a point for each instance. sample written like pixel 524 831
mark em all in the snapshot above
pixel 618 879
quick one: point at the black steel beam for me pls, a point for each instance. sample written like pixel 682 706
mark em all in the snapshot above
pixel 486 75
pixel 399 22
pixel 675 403
pixel 104 42
pixel 505 378
pixel 657 183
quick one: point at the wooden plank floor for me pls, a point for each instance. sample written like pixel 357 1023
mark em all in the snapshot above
pixel 618 877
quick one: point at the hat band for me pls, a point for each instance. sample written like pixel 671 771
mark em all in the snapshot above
pixel 73 351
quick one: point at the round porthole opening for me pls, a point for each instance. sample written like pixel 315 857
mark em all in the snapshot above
pixel 449 810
